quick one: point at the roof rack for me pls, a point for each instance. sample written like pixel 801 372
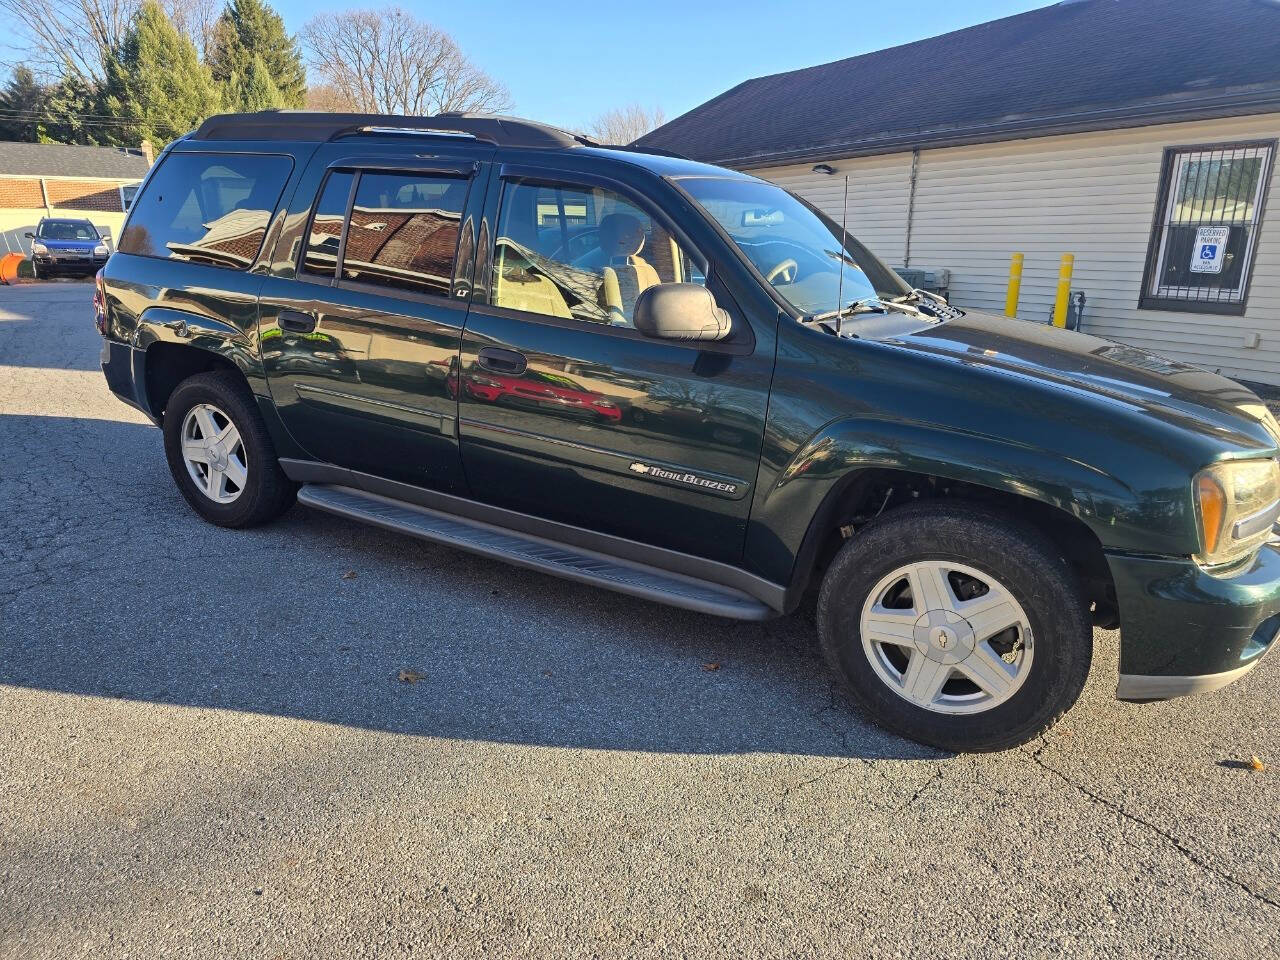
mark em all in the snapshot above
pixel 310 125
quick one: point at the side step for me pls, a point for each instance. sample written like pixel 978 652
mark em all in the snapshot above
pixel 536 553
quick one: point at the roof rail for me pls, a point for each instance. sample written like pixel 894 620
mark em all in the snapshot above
pixel 310 125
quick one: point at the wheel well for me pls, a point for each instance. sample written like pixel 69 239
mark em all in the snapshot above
pixel 870 493
pixel 168 364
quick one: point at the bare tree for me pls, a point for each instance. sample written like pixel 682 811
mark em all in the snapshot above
pixel 389 61
pixel 195 19
pixel 73 38
pixel 67 37
pixel 328 98
pixel 626 124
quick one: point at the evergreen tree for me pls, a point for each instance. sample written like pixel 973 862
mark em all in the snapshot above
pixel 250 30
pixel 253 91
pixel 23 105
pixel 156 85
pixel 260 91
pixel 71 112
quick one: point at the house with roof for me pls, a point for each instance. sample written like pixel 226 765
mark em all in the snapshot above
pixel 57 179
pixel 1138 135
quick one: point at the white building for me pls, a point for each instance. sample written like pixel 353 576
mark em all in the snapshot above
pixel 1138 135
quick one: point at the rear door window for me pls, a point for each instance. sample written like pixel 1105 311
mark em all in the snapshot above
pixel 403 231
pixel 207 208
pixel 325 236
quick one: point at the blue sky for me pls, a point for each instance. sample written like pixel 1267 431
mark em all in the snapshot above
pixel 566 62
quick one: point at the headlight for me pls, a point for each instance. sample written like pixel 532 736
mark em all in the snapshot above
pixel 39 248
pixel 100 250
pixel 1236 504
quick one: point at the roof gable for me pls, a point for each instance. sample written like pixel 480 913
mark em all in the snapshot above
pixel 1082 64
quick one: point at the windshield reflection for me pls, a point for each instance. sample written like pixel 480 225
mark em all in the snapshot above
pixel 795 248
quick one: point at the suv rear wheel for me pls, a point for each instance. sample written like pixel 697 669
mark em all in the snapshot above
pixel 955 626
pixel 220 453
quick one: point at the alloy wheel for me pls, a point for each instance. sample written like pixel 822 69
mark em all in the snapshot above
pixel 214 453
pixel 947 637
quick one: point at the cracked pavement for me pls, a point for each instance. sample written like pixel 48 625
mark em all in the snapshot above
pixel 205 751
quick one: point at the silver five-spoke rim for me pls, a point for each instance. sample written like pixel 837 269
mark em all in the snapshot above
pixel 214 453
pixel 947 637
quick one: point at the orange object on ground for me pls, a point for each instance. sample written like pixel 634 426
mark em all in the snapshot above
pixel 9 267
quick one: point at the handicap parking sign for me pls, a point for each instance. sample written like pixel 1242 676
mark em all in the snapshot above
pixel 1209 253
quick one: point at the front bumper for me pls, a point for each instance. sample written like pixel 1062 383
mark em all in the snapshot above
pixel 1185 631
pixel 87 265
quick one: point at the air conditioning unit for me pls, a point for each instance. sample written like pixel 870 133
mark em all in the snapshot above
pixel 935 281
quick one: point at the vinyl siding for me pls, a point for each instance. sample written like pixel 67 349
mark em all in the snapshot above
pixel 1092 195
pixel 879 188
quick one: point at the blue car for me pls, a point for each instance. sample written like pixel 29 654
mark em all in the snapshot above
pixel 63 247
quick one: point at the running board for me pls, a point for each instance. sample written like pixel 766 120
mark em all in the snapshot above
pixel 536 553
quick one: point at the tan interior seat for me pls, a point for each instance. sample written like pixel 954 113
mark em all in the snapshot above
pixel 626 273
pixel 517 286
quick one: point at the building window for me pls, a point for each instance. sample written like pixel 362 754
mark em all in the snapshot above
pixel 1205 234
pixel 127 192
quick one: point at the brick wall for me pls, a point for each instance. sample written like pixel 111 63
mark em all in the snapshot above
pixel 84 195
pixel 96 195
pixel 20 193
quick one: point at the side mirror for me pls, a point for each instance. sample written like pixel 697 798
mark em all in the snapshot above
pixel 680 311
pixel 29 235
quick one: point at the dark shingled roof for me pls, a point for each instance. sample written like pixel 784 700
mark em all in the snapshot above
pixel 1077 65
pixel 65 160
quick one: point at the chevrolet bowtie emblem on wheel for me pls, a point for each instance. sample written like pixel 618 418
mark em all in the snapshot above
pixel 685 479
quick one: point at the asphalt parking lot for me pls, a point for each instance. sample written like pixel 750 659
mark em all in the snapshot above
pixel 206 751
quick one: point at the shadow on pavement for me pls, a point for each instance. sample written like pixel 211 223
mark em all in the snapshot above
pixel 116 589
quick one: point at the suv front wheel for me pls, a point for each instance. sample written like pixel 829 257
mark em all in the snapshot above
pixel 955 626
pixel 220 453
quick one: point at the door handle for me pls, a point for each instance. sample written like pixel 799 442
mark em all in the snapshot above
pixel 296 320
pixel 497 360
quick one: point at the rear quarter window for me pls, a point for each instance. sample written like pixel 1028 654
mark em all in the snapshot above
pixel 207 208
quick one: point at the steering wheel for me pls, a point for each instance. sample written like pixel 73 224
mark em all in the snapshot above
pixel 788 267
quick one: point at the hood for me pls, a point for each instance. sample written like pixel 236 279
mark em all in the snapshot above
pixel 1079 363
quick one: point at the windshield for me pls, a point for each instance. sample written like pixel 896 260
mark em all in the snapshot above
pixel 67 230
pixel 793 246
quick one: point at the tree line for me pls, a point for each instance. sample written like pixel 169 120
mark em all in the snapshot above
pixel 117 72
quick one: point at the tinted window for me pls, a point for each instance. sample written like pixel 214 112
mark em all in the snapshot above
pixel 67 230
pixel 207 208
pixel 404 231
pixel 326 226
pixel 582 253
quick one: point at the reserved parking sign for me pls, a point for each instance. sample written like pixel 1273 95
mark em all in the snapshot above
pixel 1209 251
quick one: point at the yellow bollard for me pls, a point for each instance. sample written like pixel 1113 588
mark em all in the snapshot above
pixel 1015 286
pixel 1064 290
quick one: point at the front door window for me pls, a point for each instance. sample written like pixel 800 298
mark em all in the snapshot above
pixel 580 253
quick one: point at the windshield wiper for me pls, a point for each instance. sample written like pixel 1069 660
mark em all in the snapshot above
pixel 931 302
pixel 864 305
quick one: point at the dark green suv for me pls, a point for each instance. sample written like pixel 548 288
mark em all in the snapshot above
pixel 685 384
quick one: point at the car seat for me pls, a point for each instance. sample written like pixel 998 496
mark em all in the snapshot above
pixel 517 282
pixel 626 273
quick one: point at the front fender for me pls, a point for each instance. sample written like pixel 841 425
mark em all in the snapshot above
pixel 802 493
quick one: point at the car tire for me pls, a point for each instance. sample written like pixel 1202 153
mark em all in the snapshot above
pixel 239 483
pixel 932 669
